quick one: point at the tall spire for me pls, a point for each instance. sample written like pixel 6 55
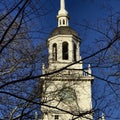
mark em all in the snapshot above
pixel 62 15
pixel 62 4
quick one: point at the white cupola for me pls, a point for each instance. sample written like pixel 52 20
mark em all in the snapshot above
pixel 63 18
pixel 63 42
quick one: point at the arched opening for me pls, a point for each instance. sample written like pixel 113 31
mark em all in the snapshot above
pixel 60 22
pixel 63 21
pixel 74 52
pixel 65 51
pixel 54 52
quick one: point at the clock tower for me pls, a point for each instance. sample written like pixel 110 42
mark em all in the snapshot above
pixel 66 90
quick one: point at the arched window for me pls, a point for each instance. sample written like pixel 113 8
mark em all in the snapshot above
pixel 63 21
pixel 60 22
pixel 74 52
pixel 54 52
pixel 65 51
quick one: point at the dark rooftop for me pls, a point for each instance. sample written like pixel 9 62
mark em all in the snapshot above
pixel 63 31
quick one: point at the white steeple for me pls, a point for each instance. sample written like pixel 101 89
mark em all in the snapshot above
pixel 64 49
pixel 62 15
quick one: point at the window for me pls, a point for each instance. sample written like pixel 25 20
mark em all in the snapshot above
pixel 60 22
pixel 74 52
pixel 65 51
pixel 56 117
pixel 63 22
pixel 54 52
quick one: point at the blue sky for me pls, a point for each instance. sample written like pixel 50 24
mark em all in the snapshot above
pixel 79 10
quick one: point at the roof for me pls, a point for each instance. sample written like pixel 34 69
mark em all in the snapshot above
pixel 63 30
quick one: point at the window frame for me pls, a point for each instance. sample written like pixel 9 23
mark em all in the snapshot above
pixel 54 52
pixel 56 117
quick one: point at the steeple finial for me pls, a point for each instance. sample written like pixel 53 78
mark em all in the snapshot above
pixel 62 15
pixel 62 4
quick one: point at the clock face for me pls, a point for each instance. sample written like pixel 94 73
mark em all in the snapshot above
pixel 67 95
